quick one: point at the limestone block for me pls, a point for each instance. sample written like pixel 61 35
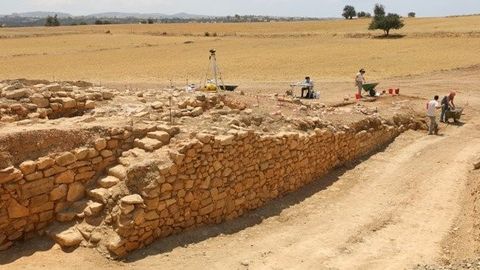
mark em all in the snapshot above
pixel 118 171
pixel 197 111
pixel 148 144
pixel 65 159
pixel 162 136
pixel 106 153
pixel 93 209
pixel 84 175
pixel 65 177
pixel 28 167
pixel 68 238
pixel 45 162
pixel 81 153
pixel 17 94
pixel 89 104
pixel 132 199
pixel 76 191
pixel 171 130
pixel 108 182
pixel 16 210
pixel 225 140
pixel 59 192
pixel 39 100
pixel 100 144
pixel 68 103
pixel 10 174
pixel 127 208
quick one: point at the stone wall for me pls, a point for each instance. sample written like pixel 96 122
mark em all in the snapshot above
pixel 19 100
pixel 145 182
pixel 36 192
pixel 211 179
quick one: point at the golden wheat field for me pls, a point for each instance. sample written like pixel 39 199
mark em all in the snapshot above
pixel 256 52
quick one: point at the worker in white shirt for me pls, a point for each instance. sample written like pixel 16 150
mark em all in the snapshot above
pixel 307 85
pixel 360 80
pixel 432 107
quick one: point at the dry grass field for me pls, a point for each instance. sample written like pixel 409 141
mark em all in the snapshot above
pixel 248 53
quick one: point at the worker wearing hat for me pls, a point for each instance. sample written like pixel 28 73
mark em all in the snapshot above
pixel 360 80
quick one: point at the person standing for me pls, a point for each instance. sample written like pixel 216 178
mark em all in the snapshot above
pixel 432 107
pixel 447 105
pixel 360 81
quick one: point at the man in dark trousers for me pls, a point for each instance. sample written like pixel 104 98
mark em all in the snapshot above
pixel 307 85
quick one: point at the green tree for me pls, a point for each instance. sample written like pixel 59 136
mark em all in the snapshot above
pixel 52 21
pixel 361 14
pixel 56 22
pixel 412 14
pixel 386 23
pixel 379 10
pixel 49 21
pixel 349 12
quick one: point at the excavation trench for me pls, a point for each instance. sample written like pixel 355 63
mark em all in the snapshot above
pixel 114 189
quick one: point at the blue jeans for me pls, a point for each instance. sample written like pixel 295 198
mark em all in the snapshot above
pixel 444 111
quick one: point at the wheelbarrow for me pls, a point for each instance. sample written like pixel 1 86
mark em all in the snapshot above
pixel 454 114
pixel 370 88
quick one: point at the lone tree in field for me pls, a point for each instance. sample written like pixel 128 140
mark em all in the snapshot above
pixel 385 23
pixel 349 12
pixel 412 14
pixel 52 21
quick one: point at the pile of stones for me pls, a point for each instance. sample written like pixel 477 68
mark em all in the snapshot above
pixel 19 100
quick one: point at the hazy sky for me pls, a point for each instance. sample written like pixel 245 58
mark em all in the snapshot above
pixel 313 8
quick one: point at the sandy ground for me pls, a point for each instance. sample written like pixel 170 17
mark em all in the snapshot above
pixel 405 205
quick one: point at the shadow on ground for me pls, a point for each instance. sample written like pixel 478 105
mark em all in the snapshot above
pixel 252 218
pixel 26 249
pixel 394 36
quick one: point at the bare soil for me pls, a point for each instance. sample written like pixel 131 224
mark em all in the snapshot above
pixel 414 202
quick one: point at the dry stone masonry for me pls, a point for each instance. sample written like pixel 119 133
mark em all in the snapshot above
pixel 151 177
pixel 21 99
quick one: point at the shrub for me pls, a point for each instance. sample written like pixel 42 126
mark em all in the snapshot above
pixel 412 14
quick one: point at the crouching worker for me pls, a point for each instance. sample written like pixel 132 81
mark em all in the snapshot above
pixel 432 107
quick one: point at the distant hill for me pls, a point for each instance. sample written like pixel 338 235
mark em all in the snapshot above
pixel 145 15
pixel 119 15
pixel 41 14
pixel 38 18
